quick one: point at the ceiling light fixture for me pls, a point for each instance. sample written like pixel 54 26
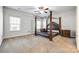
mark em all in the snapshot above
pixel 43 8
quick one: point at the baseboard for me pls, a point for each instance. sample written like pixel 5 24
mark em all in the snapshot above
pixel 72 37
pixel 16 36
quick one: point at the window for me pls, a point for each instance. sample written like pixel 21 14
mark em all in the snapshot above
pixel 38 24
pixel 14 23
pixel 44 23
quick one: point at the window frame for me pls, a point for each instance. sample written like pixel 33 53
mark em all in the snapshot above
pixel 14 23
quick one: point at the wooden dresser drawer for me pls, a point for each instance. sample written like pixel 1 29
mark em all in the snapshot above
pixel 65 33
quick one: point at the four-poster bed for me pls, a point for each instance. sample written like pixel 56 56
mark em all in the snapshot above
pixel 52 29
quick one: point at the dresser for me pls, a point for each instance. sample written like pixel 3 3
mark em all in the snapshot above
pixel 65 33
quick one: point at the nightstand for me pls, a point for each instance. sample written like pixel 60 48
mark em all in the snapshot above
pixel 65 33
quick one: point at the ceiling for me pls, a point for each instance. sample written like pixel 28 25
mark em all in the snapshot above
pixel 32 9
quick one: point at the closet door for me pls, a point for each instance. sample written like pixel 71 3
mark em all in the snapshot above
pixel 1 24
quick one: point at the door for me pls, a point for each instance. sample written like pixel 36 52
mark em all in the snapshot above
pixel 1 24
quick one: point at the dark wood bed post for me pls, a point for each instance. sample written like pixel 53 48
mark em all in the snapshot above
pixel 50 33
pixel 35 25
pixel 59 25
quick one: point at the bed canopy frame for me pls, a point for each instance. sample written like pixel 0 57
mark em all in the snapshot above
pixel 49 34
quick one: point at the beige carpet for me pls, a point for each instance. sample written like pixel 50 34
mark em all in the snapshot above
pixel 38 44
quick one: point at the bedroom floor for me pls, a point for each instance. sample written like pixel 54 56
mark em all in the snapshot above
pixel 38 44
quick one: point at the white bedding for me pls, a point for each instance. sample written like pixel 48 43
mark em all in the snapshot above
pixel 55 30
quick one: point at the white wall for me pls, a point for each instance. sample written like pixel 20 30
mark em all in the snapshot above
pixel 1 24
pixel 77 39
pixel 68 19
pixel 25 23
